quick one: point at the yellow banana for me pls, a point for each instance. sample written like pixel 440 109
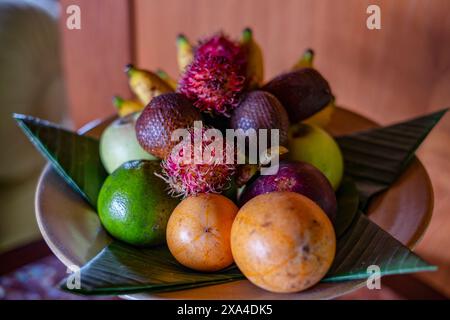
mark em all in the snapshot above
pixel 305 61
pixel 145 84
pixel 165 76
pixel 185 53
pixel 126 107
pixel 323 117
pixel 255 61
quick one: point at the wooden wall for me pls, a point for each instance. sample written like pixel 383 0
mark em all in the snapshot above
pixel 390 74
pixel 94 56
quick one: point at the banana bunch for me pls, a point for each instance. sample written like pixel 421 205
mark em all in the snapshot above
pixel 323 117
pixel 167 78
pixel 255 62
pixel 185 52
pixel 125 107
pixel 145 84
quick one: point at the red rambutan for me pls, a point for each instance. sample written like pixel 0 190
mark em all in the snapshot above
pixel 198 165
pixel 216 76
pixel 220 46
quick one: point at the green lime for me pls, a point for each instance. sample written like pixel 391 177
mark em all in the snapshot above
pixel 133 205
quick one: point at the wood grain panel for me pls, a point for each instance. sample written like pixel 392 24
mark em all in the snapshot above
pixel 94 57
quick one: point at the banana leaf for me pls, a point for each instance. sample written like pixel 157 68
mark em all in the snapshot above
pixel 365 244
pixel 377 157
pixel 75 158
pixel 348 201
pixel 122 269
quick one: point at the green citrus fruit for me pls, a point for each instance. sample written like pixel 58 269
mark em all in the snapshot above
pixel 133 205
pixel 311 144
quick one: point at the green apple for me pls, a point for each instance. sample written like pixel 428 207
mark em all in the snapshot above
pixel 311 144
pixel 118 144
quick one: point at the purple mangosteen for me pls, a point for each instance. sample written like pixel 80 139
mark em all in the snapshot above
pixel 299 177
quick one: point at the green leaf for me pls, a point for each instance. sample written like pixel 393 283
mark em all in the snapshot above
pixel 347 200
pixel 123 269
pixel 76 158
pixel 376 158
pixel 366 244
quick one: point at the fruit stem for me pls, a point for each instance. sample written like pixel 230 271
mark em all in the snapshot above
pixel 182 40
pixel 308 57
pixel 117 102
pixel 333 101
pixel 129 68
pixel 247 35
pixel 162 74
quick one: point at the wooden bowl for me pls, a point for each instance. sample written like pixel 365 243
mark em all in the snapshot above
pixel 74 233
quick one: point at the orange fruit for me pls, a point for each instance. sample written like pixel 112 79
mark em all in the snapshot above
pixel 283 242
pixel 198 232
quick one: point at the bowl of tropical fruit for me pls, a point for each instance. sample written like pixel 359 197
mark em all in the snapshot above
pixel 220 184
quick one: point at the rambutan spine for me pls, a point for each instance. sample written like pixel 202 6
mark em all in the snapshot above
pixel 186 176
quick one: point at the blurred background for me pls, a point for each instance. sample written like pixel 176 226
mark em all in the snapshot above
pixel 69 76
